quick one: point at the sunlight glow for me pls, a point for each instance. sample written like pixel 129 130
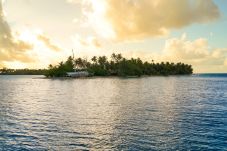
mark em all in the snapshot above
pixel 95 11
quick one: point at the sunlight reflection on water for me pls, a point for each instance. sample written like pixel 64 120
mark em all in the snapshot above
pixel 154 113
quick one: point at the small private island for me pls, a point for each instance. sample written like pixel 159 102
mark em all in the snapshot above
pixel 116 65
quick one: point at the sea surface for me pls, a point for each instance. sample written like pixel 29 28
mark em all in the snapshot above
pixel 150 113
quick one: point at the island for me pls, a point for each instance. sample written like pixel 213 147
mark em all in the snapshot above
pixel 117 65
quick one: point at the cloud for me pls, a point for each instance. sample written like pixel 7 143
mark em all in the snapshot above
pixel 89 42
pixel 139 19
pixel 180 48
pixel 48 42
pixel 225 62
pixel 12 48
pixel 74 1
pixel 198 53
pixel 95 42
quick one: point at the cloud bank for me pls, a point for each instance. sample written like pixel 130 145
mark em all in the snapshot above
pixel 11 48
pixel 139 19
pixel 198 53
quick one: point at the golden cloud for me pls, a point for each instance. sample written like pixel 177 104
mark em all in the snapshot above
pixel 11 48
pixel 139 19
pixel 95 42
pixel 225 62
pixel 90 41
pixel 48 42
pixel 197 52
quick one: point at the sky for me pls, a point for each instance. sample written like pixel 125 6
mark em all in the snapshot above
pixel 36 33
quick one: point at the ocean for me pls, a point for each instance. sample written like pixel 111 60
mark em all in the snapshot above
pixel 149 113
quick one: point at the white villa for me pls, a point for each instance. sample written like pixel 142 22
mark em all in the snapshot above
pixel 78 74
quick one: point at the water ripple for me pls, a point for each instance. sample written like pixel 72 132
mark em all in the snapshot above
pixel 154 113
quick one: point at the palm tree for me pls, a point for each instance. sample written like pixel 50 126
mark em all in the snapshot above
pixel 102 61
pixel 94 59
pixel 119 57
pixel 79 63
pixel 113 57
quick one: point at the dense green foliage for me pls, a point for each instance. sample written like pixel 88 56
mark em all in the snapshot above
pixel 61 69
pixel 6 71
pixel 118 66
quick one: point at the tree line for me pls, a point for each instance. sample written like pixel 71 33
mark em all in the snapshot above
pixel 117 65
pixel 6 71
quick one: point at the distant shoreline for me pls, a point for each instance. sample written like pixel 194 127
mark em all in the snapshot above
pixel 117 76
pixel 199 75
pixel 93 77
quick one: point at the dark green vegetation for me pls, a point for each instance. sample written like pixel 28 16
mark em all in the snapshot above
pixel 117 66
pixel 6 71
pixel 61 69
pixel 102 66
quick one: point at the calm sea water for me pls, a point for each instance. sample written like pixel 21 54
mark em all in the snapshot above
pixel 153 113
